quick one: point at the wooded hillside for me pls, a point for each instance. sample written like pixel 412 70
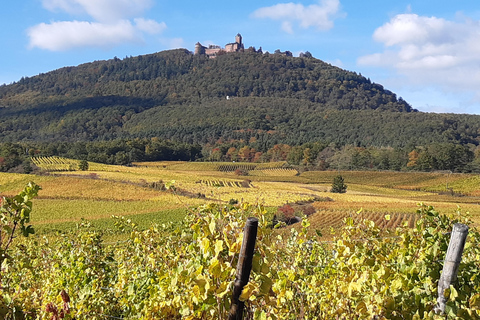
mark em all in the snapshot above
pixel 179 96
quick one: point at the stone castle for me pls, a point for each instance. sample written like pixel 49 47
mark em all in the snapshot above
pixel 212 50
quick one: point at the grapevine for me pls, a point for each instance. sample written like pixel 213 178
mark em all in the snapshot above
pixel 186 271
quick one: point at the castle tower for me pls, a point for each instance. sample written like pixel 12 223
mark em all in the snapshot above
pixel 199 49
pixel 238 39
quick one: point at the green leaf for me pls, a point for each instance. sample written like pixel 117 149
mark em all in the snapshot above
pixel 260 315
pixel 266 285
pixel 28 230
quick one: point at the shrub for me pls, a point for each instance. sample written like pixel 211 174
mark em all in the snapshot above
pixel 286 214
pixel 338 185
pixel 83 165
pixel 241 172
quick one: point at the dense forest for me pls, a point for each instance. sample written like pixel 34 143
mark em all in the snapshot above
pixel 122 110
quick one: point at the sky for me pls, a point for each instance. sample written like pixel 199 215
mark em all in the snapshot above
pixel 425 51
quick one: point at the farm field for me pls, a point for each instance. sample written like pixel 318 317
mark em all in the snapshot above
pixel 138 192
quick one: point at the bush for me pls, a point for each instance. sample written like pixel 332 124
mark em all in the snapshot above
pixel 83 165
pixel 241 172
pixel 338 185
pixel 287 214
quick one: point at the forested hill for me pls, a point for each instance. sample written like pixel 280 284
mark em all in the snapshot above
pixel 176 95
pixel 178 77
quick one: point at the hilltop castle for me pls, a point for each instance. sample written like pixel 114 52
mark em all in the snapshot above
pixel 212 51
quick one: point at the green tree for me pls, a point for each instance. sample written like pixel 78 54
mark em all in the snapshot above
pixel 338 185
pixel 83 165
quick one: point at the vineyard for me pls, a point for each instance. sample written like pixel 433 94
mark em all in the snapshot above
pixel 211 166
pixel 223 183
pixel 171 252
pixel 274 172
pixel 186 271
pixel 327 221
pixel 55 163
pixel 68 196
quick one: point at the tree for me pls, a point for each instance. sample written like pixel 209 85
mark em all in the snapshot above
pixel 412 158
pixel 307 156
pixel 83 165
pixel 338 185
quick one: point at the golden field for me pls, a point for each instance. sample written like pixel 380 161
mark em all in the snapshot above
pixel 102 191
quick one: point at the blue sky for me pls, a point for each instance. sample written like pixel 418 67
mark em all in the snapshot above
pixel 427 51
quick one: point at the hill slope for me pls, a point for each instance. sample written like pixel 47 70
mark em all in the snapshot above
pixel 176 95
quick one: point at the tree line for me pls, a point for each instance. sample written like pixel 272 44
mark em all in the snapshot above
pixel 324 156
pixel 15 157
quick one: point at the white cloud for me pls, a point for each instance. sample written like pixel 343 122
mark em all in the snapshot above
pixel 101 10
pixel 111 24
pixel 430 51
pixel 319 16
pixel 62 5
pixel 150 26
pixel 406 29
pixel 64 35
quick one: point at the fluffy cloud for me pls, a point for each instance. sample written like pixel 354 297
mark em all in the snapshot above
pixel 150 26
pixel 319 16
pixel 111 24
pixel 101 10
pixel 64 35
pixel 430 50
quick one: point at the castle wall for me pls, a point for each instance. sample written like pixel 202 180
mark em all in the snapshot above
pixel 231 47
pixel 212 51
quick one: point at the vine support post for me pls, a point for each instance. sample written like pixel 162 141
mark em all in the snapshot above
pixel 244 267
pixel 451 264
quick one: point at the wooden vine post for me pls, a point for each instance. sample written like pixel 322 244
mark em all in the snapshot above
pixel 244 267
pixel 451 264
